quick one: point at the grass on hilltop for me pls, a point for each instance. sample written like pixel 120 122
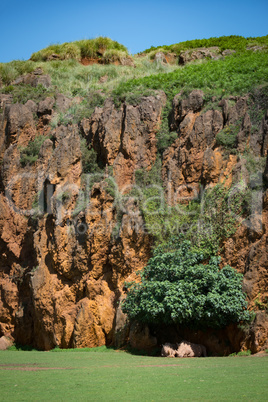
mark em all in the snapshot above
pixel 121 376
pixel 72 78
pixel 101 47
pixel 235 75
pixel 234 42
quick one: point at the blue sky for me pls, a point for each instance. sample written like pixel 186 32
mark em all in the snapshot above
pixel 28 26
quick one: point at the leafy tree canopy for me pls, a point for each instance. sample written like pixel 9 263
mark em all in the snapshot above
pixel 177 288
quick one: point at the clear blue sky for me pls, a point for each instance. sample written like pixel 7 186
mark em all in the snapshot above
pixel 28 26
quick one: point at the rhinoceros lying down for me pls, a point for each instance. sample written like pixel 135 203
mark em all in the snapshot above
pixel 183 349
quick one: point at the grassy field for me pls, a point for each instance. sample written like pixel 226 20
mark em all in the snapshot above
pixel 119 376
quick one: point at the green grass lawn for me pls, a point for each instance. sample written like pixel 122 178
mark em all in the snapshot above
pixel 119 376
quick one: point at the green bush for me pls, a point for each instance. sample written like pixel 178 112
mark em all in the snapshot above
pixel 244 353
pixel 164 136
pixel 89 158
pixel 176 288
pixel 227 136
pixel 8 73
pixel 29 154
pixel 144 178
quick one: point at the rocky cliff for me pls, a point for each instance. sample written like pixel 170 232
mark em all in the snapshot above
pixel 71 237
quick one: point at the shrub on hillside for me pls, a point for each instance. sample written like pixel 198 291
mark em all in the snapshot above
pixel 177 288
pixel 29 154
pixel 89 158
pixel 228 136
pixel 8 73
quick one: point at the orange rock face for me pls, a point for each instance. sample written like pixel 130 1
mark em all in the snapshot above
pixel 125 138
pixel 68 242
pixel 63 267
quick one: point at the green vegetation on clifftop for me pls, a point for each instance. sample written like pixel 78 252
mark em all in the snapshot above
pixel 101 47
pixel 234 42
pixel 234 75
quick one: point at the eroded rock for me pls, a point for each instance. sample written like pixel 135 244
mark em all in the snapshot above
pixel 5 343
pixel 126 137
pixel 34 79
pixel 198 54
pixel 63 268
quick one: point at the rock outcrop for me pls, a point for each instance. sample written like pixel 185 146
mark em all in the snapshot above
pixel 63 267
pixel 86 61
pixel 200 53
pixel 34 79
pixel 5 343
pixel 126 138
pixel 69 240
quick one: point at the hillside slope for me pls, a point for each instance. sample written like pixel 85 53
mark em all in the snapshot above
pixel 100 163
